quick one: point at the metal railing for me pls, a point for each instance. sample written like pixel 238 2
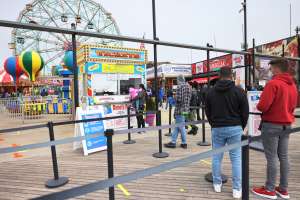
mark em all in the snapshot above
pixel 111 181
pixel 27 109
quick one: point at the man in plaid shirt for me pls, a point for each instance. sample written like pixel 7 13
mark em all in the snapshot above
pixel 182 108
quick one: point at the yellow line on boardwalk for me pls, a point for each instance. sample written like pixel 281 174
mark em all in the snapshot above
pixel 123 189
pixel 206 162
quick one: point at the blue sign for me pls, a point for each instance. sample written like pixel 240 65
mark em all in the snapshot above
pixel 91 128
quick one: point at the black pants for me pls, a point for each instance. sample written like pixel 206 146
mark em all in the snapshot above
pixel 140 120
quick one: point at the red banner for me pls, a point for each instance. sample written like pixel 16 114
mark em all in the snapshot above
pixel 215 64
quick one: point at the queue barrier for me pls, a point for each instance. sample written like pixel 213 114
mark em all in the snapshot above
pixel 109 183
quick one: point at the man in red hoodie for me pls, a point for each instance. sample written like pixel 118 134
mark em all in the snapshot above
pixel 277 104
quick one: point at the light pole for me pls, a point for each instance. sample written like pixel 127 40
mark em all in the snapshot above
pixel 75 69
pixel 298 40
pixel 247 74
pixel 160 153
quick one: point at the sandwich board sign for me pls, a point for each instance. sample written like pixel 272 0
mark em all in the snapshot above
pixel 254 120
pixel 93 144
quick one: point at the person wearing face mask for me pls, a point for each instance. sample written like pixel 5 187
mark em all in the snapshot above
pixel 277 104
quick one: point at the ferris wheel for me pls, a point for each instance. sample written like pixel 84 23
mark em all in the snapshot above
pixel 84 14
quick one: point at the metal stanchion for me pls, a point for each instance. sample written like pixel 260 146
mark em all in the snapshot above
pixel 245 170
pixel 203 142
pixel 160 153
pixel 170 121
pixel 110 163
pixel 198 114
pixel 129 141
pixel 57 181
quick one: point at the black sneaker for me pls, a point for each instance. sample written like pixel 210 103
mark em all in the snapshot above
pixel 184 146
pixel 170 145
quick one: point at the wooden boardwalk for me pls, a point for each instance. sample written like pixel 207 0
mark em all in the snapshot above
pixel 24 178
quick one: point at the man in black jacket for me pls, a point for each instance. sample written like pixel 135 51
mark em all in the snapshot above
pixel 227 111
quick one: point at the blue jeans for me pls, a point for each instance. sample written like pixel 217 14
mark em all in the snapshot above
pixel 220 137
pixel 179 119
pixel 170 102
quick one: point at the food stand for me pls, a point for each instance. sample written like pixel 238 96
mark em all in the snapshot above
pixel 105 76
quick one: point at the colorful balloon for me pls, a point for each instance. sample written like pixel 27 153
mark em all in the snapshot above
pixel 57 70
pixel 68 60
pixel 12 67
pixel 32 63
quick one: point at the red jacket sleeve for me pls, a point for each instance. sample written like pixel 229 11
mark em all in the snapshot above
pixel 267 97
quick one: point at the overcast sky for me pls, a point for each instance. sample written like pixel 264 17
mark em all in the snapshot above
pixel 186 21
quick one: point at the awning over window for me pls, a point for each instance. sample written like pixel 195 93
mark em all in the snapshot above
pixel 203 80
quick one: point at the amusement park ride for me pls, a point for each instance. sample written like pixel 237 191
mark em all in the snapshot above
pixel 84 14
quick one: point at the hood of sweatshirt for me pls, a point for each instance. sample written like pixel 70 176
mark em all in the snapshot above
pixel 224 85
pixel 285 77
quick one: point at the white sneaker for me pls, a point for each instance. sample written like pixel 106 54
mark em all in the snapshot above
pixel 218 188
pixel 237 194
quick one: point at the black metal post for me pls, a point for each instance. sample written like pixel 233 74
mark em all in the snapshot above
pixel 253 60
pixel 75 69
pixel 129 141
pixel 203 142
pixel 246 44
pixel 57 181
pixel 170 120
pixel 245 170
pixel 110 161
pixel 298 42
pixel 208 64
pixel 160 153
pixel 155 55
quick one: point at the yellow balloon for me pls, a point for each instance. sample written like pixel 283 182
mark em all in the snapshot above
pixel 31 63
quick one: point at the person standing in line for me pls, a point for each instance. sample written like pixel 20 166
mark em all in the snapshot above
pixel 141 98
pixel 227 111
pixel 194 103
pixel 161 96
pixel 277 104
pixel 203 93
pixel 170 98
pixel 183 97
